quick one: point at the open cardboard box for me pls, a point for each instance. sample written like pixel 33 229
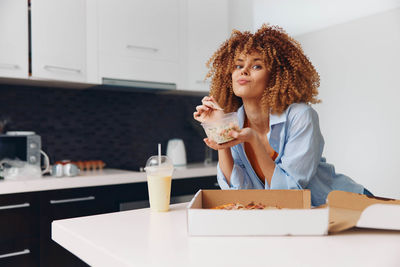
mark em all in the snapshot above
pixel 342 211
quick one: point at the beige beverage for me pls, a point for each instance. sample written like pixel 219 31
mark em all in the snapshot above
pixel 159 172
pixel 159 192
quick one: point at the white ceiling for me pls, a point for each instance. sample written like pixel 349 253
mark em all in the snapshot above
pixel 302 16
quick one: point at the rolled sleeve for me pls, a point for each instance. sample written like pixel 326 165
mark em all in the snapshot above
pixel 281 180
pixel 239 179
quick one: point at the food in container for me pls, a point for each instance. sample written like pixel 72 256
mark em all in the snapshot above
pixel 218 130
pixel 251 206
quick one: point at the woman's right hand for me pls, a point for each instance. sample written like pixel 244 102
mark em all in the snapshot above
pixel 208 110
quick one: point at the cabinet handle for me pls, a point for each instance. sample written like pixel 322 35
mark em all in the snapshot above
pixel 12 254
pixel 202 81
pixel 9 66
pixel 72 200
pixel 23 205
pixel 50 68
pixel 155 50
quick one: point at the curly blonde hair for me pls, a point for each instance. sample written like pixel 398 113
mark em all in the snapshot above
pixel 292 77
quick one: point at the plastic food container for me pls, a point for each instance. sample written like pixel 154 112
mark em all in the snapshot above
pixel 218 130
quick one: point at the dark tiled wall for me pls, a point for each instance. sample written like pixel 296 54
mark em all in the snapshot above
pixel 120 128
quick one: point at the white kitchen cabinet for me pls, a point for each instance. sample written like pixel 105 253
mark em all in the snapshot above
pixel 64 40
pixel 139 40
pixel 207 28
pixel 14 38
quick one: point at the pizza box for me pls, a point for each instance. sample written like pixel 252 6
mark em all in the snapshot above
pixel 294 215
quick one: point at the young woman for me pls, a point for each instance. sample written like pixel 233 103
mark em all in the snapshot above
pixel 269 81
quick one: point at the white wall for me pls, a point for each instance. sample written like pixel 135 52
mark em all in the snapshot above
pixel 241 14
pixel 299 17
pixel 359 65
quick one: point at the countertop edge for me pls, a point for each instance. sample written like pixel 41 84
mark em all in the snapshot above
pixel 97 178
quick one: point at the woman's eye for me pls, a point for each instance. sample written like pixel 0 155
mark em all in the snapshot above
pixel 238 67
pixel 257 67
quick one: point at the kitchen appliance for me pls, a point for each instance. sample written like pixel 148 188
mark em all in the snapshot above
pixel 176 152
pixel 23 146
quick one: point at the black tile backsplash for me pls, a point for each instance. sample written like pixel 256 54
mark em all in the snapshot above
pixel 120 128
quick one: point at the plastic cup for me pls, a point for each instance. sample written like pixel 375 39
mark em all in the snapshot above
pixel 159 176
pixel 218 130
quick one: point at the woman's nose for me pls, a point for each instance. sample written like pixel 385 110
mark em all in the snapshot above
pixel 245 71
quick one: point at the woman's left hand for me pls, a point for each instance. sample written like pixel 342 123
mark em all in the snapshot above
pixel 241 136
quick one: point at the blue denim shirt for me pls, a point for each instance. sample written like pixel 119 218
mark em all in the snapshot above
pixel 296 136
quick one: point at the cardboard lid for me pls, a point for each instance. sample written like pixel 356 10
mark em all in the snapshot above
pixel 346 208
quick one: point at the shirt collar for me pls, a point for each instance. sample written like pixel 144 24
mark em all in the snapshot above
pixel 277 118
pixel 273 118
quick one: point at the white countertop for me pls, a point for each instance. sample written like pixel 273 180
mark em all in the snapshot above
pixel 145 238
pixel 98 178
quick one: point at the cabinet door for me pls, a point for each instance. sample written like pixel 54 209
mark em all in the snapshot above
pixel 190 186
pixel 139 40
pixel 59 39
pixel 68 203
pixel 19 216
pixel 135 195
pixel 207 28
pixel 21 253
pixel 14 38
pixel 19 229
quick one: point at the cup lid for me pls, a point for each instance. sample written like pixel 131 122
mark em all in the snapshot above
pixel 160 163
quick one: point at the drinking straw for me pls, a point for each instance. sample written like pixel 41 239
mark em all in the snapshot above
pixel 159 154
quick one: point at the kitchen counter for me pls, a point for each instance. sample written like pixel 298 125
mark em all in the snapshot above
pixel 145 238
pixel 99 178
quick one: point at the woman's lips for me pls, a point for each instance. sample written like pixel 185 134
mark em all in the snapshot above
pixel 242 81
